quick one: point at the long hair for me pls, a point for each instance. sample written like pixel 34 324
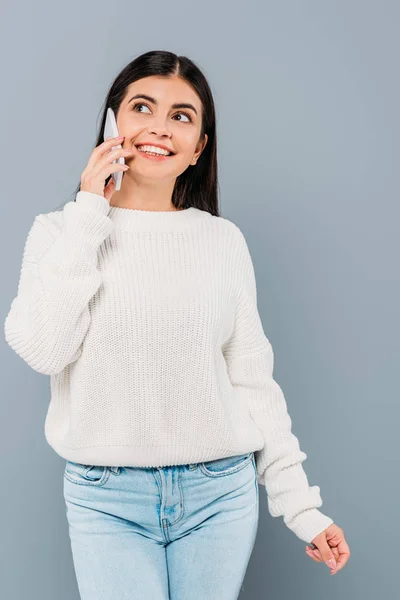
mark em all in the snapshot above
pixel 198 185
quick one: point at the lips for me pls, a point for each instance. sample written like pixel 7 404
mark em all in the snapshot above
pixel 155 145
pixel 154 157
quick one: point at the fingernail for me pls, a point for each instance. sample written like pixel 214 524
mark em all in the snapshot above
pixel 331 563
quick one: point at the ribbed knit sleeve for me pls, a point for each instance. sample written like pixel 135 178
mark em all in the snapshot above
pixel 49 317
pixel 250 362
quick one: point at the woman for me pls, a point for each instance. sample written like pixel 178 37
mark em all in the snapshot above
pixel 141 306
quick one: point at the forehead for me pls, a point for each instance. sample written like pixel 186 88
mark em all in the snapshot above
pixel 164 90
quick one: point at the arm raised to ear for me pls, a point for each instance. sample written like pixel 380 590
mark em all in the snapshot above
pixel 48 319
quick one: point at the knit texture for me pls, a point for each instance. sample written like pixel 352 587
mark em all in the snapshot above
pixel 148 326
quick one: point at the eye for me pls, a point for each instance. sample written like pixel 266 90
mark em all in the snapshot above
pixel 179 113
pixel 139 104
pixel 186 115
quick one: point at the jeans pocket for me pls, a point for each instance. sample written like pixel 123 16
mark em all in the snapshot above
pixel 86 474
pixel 226 466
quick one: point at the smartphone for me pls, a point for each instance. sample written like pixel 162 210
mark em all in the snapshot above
pixel 111 130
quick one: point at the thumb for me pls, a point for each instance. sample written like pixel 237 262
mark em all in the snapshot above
pixel 109 189
pixel 327 554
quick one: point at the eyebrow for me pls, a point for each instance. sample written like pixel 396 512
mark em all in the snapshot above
pixel 154 101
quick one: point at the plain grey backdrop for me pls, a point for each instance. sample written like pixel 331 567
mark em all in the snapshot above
pixel 307 98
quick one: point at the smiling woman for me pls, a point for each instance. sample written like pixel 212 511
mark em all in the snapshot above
pixel 163 402
pixel 165 110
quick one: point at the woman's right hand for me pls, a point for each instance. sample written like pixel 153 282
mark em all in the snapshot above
pixel 100 166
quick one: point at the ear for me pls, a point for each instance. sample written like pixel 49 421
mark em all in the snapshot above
pixel 202 146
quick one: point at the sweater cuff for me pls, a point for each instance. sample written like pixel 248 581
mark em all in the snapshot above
pixel 310 523
pixel 93 202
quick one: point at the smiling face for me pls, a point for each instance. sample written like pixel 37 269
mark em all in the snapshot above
pixel 162 111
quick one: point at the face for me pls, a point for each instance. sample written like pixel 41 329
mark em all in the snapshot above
pixel 154 120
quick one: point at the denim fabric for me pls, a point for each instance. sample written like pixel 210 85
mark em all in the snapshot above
pixel 162 533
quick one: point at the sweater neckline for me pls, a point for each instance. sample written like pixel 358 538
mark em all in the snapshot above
pixel 135 219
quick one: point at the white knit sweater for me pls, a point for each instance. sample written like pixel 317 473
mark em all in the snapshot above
pixel 147 323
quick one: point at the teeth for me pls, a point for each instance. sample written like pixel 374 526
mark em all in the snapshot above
pixel 153 150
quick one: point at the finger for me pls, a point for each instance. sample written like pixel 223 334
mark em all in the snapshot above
pixel 311 555
pixel 104 170
pixel 107 159
pixel 109 142
pixel 344 554
pixel 116 153
pixel 102 149
pixel 309 552
pixel 109 189
pixel 317 554
pixel 341 562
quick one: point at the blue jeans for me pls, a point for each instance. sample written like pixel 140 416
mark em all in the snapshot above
pixel 162 533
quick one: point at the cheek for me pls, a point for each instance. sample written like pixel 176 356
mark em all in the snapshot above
pixel 187 148
pixel 183 159
pixel 129 126
pixel 185 136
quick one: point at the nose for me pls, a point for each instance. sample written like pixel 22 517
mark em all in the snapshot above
pixel 159 130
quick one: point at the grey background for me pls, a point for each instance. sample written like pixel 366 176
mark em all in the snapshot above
pixel 307 97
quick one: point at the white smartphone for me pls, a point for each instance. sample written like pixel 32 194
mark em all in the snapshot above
pixel 111 130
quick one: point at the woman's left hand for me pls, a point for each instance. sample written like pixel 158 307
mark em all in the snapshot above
pixel 331 548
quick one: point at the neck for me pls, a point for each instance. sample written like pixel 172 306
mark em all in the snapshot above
pixel 144 195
